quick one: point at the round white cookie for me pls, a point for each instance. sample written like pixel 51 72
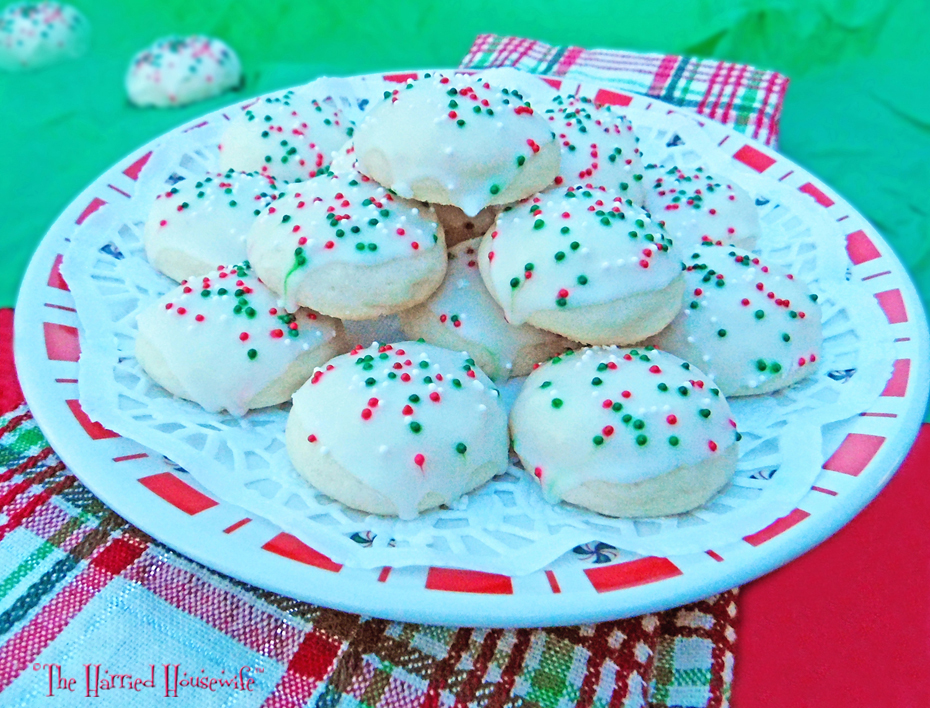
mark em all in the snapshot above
pixel 624 432
pixel 584 263
pixel 461 315
pixel 176 71
pixel 751 326
pixel 398 429
pixel 222 340
pixel 695 206
pixel 285 135
pixel 37 34
pixel 457 140
pixel 199 224
pixel 598 146
pixel 345 246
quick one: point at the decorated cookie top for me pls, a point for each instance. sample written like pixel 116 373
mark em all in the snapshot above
pixel 574 247
pixel 598 146
pixel 458 140
pixel 175 71
pixel 619 415
pixel 225 337
pixel 696 206
pixel 289 136
pixel 747 323
pixel 208 218
pixel 406 419
pixel 336 218
pixel 36 34
pixel 464 305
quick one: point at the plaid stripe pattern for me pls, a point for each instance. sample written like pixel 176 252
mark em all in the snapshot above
pixel 83 590
pixel 741 96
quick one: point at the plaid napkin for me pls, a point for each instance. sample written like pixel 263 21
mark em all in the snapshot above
pixel 738 95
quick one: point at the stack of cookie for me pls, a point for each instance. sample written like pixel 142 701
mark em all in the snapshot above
pixel 506 230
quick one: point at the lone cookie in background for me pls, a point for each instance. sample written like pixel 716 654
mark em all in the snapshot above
pixel 38 34
pixel 176 71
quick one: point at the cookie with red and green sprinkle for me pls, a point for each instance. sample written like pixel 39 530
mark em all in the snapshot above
pixel 598 146
pixel 37 34
pixel 200 223
pixel 462 315
pixel 223 341
pixel 583 262
pixel 345 246
pixel 625 432
pixel 177 71
pixel 289 136
pixel 696 206
pixel 751 325
pixel 457 139
pixel 397 429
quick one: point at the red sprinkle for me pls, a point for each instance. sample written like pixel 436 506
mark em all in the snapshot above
pixel 434 397
pixel 712 445
pixel 311 438
pixel 366 414
pixel 418 460
pixel 671 419
pixel 277 333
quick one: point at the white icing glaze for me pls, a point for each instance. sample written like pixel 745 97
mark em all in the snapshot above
pixel 335 218
pixel 696 206
pixel 226 346
pixel 459 136
pixel 37 34
pixel 598 146
pixel 289 136
pixel 175 71
pixel 574 247
pixel 207 219
pixel 431 416
pixel 464 305
pixel 618 415
pixel 759 327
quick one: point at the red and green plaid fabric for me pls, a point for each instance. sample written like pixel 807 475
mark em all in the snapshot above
pixel 738 95
pixel 86 596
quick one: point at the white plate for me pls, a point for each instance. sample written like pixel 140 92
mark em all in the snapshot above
pixel 589 584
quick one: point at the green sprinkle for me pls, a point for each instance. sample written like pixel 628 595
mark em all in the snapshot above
pixel 662 387
pixel 704 412
pixel 415 427
pixel 638 425
pixel 546 384
pixel 759 314
pixel 494 188
pixel 617 407
pixel 538 224
pixel 514 282
pixel 556 402
pixel 252 353
pixel 721 333
pixel 582 280
pixel 775 367
pixel 673 441
pixel 370 381
pixel 683 390
pixel 641 440
pixel 761 365
pixel 598 440
pixel 602 367
pixel 785 337
pixel 560 255
pixel 596 381
pixel 460 448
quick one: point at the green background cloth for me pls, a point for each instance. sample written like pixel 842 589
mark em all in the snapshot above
pixel 857 112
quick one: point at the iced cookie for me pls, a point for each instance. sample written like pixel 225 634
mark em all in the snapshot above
pixel 461 315
pixel 584 263
pixel 288 136
pixel 398 429
pixel 176 71
pixel 598 146
pixel 625 432
pixel 752 327
pixel 345 246
pixel 198 224
pixel 457 140
pixel 695 206
pixel 221 340
pixel 37 34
